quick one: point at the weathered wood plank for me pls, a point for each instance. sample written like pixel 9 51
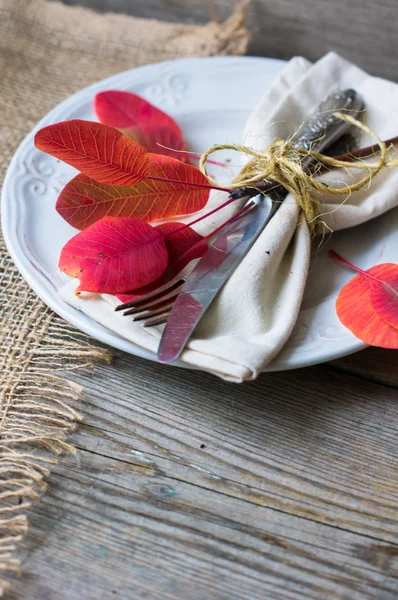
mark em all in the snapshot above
pixel 375 364
pixel 286 441
pixel 188 487
pixel 362 30
pixel 145 536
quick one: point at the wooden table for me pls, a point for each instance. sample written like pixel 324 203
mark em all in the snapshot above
pixel 364 31
pixel 189 488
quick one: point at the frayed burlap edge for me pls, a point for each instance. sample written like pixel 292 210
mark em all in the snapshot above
pixel 39 351
pixel 37 400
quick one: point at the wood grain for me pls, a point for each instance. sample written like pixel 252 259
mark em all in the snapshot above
pixel 363 31
pixel 191 488
pixel 375 364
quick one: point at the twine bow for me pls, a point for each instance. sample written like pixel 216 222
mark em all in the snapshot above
pixel 281 162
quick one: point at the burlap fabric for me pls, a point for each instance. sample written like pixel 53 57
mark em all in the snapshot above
pixel 47 52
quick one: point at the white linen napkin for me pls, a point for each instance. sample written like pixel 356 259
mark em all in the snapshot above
pixel 252 317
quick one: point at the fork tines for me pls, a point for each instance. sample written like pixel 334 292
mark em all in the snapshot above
pixel 154 308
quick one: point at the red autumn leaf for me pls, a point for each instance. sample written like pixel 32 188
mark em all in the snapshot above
pixel 115 255
pixel 124 109
pixel 365 301
pixel 141 120
pixel 182 247
pixel 84 201
pixel 97 150
pixel 384 294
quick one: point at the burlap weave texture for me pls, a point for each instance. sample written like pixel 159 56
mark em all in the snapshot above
pixel 47 52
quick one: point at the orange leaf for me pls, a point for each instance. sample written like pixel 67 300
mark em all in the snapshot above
pixel 355 310
pixel 97 150
pixel 84 201
pixel 115 255
pixel 384 294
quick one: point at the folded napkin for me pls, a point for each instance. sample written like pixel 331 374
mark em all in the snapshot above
pixel 253 316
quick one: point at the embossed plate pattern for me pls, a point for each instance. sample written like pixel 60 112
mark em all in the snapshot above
pixel 202 95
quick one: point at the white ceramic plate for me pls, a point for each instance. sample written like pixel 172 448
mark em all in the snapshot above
pixel 205 95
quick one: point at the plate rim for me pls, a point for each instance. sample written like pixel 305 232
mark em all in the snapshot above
pixel 71 314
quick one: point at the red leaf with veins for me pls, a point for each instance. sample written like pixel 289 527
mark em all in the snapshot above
pixel 368 304
pixel 182 247
pixel 97 150
pixel 84 201
pixel 115 255
pixel 141 120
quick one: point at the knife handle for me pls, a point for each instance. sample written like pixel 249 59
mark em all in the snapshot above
pixel 324 128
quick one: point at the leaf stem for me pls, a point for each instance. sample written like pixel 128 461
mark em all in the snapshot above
pixel 368 151
pixel 211 212
pixel 194 156
pixel 197 157
pixel 198 185
pixel 228 221
pixel 333 254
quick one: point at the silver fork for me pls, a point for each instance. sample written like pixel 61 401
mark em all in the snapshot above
pixel 153 308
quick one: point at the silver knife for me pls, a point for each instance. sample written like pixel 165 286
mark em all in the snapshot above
pixel 224 255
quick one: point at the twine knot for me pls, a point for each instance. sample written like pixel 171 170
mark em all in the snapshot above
pixel 282 162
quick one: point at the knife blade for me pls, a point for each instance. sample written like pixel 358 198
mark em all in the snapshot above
pixel 216 266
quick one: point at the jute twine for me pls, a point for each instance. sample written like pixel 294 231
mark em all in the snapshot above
pixel 47 52
pixel 281 162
